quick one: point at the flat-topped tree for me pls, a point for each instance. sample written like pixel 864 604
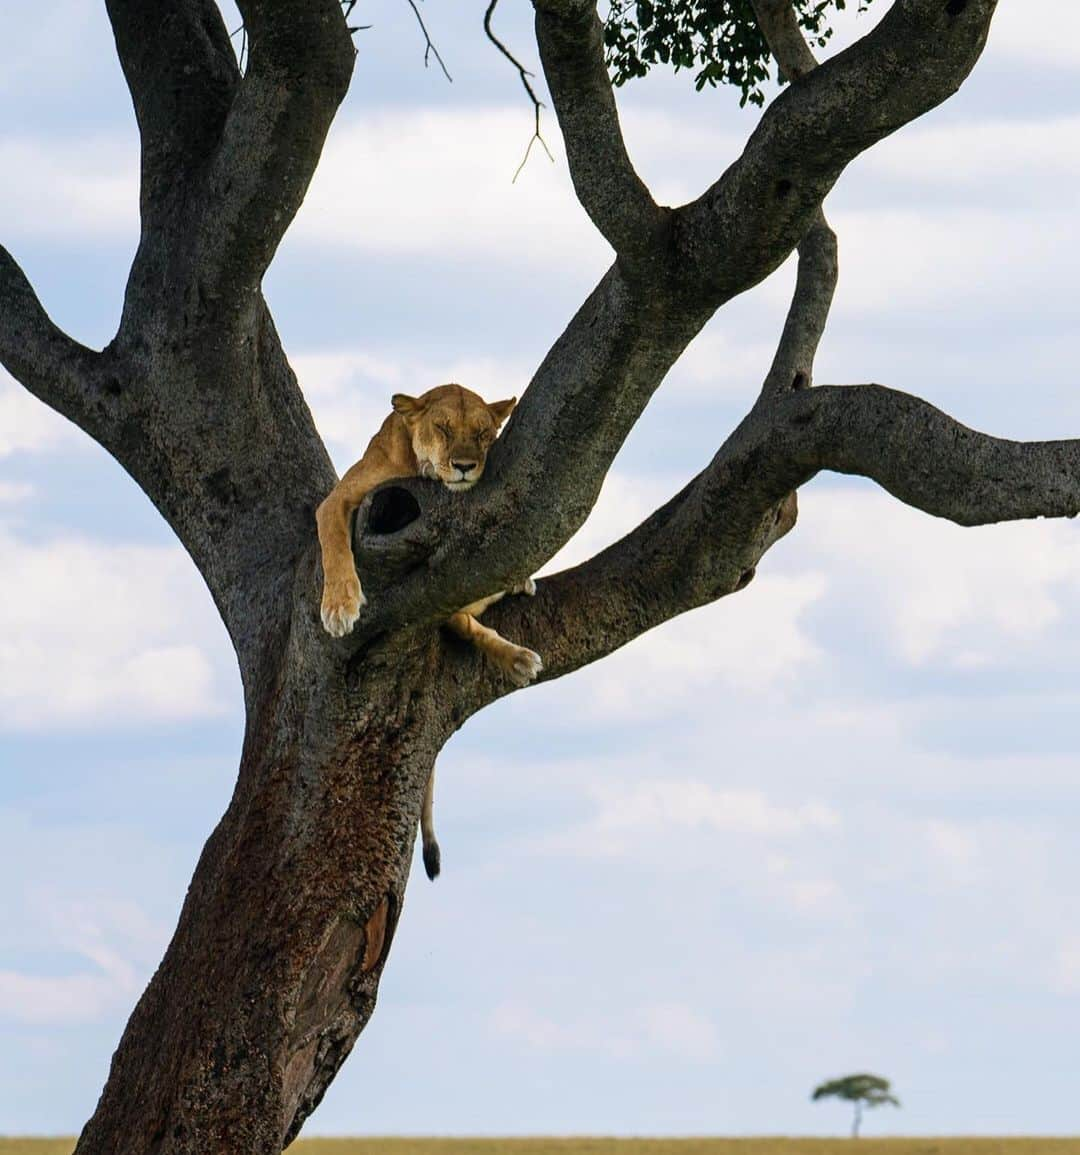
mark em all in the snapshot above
pixel 274 966
pixel 861 1091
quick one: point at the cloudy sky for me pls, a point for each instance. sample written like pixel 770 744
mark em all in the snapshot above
pixel 827 825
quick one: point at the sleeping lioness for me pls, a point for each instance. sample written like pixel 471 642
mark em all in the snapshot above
pixel 444 434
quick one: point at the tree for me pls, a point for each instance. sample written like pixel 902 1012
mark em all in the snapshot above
pixel 868 1090
pixel 275 963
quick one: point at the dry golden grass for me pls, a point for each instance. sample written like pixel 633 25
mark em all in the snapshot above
pixel 766 1146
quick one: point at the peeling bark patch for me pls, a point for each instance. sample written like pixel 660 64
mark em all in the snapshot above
pixel 322 993
pixel 375 933
pixel 298 1073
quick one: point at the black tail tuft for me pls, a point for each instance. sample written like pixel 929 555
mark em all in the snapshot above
pixel 432 860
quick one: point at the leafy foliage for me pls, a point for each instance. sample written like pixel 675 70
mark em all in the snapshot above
pixel 872 1090
pixel 720 38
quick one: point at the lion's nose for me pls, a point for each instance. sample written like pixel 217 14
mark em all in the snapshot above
pixel 463 466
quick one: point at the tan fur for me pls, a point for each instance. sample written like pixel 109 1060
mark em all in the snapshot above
pixel 444 434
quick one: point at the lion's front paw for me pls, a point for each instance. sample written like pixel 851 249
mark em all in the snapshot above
pixel 341 606
pixel 524 666
pixel 527 587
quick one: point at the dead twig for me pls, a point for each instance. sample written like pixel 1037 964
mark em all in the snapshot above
pixel 526 77
pixel 429 49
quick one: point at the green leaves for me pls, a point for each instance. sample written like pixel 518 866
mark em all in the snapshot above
pixel 718 38
pixel 872 1090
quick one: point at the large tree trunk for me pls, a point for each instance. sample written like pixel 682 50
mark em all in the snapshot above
pixel 274 966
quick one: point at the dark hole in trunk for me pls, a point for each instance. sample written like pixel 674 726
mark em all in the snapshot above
pixel 392 508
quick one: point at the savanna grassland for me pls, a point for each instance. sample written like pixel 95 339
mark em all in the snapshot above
pixel 600 1146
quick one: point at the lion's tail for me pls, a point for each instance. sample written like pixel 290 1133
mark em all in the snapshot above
pixel 432 858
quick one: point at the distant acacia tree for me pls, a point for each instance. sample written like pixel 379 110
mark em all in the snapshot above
pixel 871 1090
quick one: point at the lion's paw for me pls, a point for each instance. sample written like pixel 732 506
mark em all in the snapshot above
pixel 341 609
pixel 524 666
pixel 527 587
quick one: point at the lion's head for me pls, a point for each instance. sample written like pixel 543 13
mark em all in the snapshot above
pixel 452 430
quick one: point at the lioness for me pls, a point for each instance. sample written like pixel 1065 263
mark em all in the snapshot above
pixel 444 434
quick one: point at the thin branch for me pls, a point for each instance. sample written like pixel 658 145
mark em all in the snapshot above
pixel 526 80
pixel 804 326
pixel 780 27
pixel 429 47
pixel 571 41
pixel 815 284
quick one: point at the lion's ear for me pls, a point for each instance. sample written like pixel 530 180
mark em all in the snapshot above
pixel 405 405
pixel 500 410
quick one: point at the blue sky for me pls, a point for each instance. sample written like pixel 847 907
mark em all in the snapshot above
pixel 829 824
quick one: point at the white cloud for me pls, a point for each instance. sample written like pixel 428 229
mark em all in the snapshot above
pixel 1046 36
pixel 438 184
pixel 743 646
pixel 649 806
pixel 1025 156
pixel 12 492
pixel 671 1028
pixel 963 597
pixel 956 847
pixel 94 634
pixel 28 425
pixel 116 944
pixel 919 258
pixel 70 188
pixel 1065 967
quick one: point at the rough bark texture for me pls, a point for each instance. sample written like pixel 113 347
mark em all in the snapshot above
pixel 274 967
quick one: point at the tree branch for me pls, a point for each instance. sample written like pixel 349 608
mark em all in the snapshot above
pixel 780 27
pixel 570 36
pixel 182 75
pixel 39 355
pixel 300 60
pixel 815 284
pixel 706 542
pixel 750 219
pixel 792 367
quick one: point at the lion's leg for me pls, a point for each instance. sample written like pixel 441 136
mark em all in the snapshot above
pixel 432 857
pixel 520 664
pixel 343 598
pixel 475 609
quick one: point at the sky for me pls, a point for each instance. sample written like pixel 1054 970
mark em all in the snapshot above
pixel 826 825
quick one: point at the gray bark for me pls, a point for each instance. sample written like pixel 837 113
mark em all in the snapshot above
pixel 274 967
